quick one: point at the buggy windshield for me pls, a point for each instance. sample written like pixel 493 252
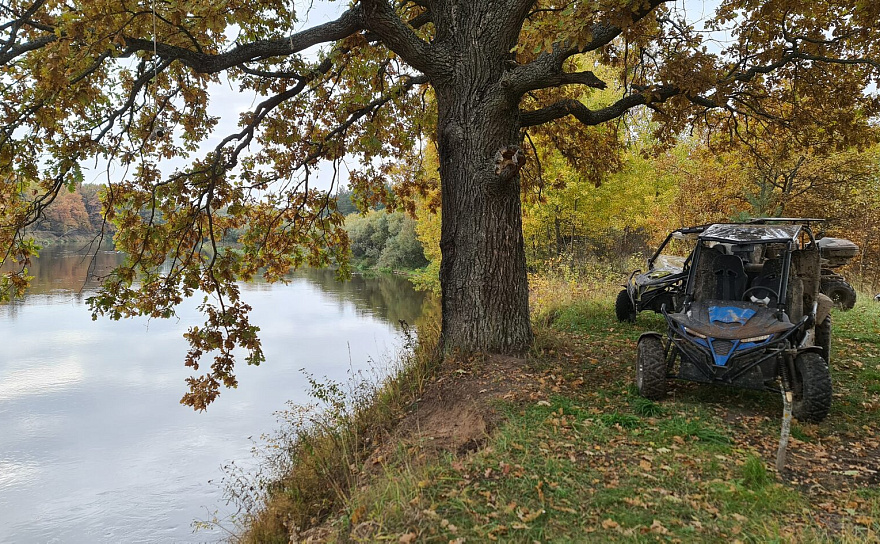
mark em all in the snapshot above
pixel 738 234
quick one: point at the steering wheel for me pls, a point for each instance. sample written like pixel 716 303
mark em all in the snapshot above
pixel 771 295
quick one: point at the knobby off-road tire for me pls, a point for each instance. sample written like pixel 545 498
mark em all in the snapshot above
pixel 823 339
pixel 812 395
pixel 651 368
pixel 624 308
pixel 842 293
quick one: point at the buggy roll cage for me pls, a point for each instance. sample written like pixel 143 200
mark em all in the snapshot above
pixel 684 230
pixel 726 233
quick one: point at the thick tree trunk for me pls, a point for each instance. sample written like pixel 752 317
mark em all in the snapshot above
pixel 483 270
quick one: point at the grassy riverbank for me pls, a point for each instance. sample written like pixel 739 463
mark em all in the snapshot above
pixel 558 447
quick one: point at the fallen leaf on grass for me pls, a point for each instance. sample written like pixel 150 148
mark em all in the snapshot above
pixel 610 524
pixel 448 526
pixel 658 528
pixel 408 538
pixel 527 517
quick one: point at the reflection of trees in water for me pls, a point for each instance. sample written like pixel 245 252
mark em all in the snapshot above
pixel 391 298
pixel 67 269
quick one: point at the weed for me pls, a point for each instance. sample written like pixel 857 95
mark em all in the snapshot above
pixel 626 421
pixel 695 429
pixel 310 464
pixel 646 408
pixel 754 473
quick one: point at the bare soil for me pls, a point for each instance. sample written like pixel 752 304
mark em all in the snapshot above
pixel 458 410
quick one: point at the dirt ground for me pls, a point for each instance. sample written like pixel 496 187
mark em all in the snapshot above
pixel 457 410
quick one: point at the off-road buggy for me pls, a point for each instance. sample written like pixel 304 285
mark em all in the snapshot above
pixel 751 316
pixel 662 283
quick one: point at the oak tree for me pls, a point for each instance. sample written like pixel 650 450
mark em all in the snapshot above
pixel 129 82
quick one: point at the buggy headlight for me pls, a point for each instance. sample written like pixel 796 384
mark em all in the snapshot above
pixel 694 333
pixel 755 339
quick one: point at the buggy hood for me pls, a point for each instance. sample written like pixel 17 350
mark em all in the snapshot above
pixel 731 320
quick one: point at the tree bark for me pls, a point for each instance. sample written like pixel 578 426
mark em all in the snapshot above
pixel 483 268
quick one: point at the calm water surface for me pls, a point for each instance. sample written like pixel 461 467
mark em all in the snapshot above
pixel 94 446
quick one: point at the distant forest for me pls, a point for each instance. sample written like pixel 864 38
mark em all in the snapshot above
pixel 72 215
pixel 77 214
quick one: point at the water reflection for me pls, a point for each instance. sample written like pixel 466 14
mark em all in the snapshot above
pixel 94 446
pixel 73 271
pixel 379 296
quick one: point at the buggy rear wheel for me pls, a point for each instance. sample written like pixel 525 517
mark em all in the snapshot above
pixel 812 391
pixel 839 291
pixel 651 368
pixel 624 308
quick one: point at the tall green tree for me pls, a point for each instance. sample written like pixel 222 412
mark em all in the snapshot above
pixel 130 82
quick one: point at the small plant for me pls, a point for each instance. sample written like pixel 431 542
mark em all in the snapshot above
pixel 798 432
pixel 754 473
pixel 626 421
pixel 646 408
pixel 698 430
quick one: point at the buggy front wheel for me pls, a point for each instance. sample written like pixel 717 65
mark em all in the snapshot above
pixel 624 308
pixel 812 391
pixel 651 368
pixel 823 338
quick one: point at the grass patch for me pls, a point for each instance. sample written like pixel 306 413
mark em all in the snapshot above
pixel 694 429
pixel 646 408
pixel 550 476
pixel 754 473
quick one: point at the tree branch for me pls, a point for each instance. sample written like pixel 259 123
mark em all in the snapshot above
pixel 587 116
pixel 556 79
pixel 347 24
pixel 398 36
pixel 546 70
pixel 12 51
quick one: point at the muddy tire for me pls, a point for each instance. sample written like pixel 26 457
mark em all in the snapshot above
pixel 823 338
pixel 841 293
pixel 624 308
pixel 651 368
pixel 812 392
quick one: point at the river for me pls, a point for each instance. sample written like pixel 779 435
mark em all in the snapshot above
pixel 94 445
